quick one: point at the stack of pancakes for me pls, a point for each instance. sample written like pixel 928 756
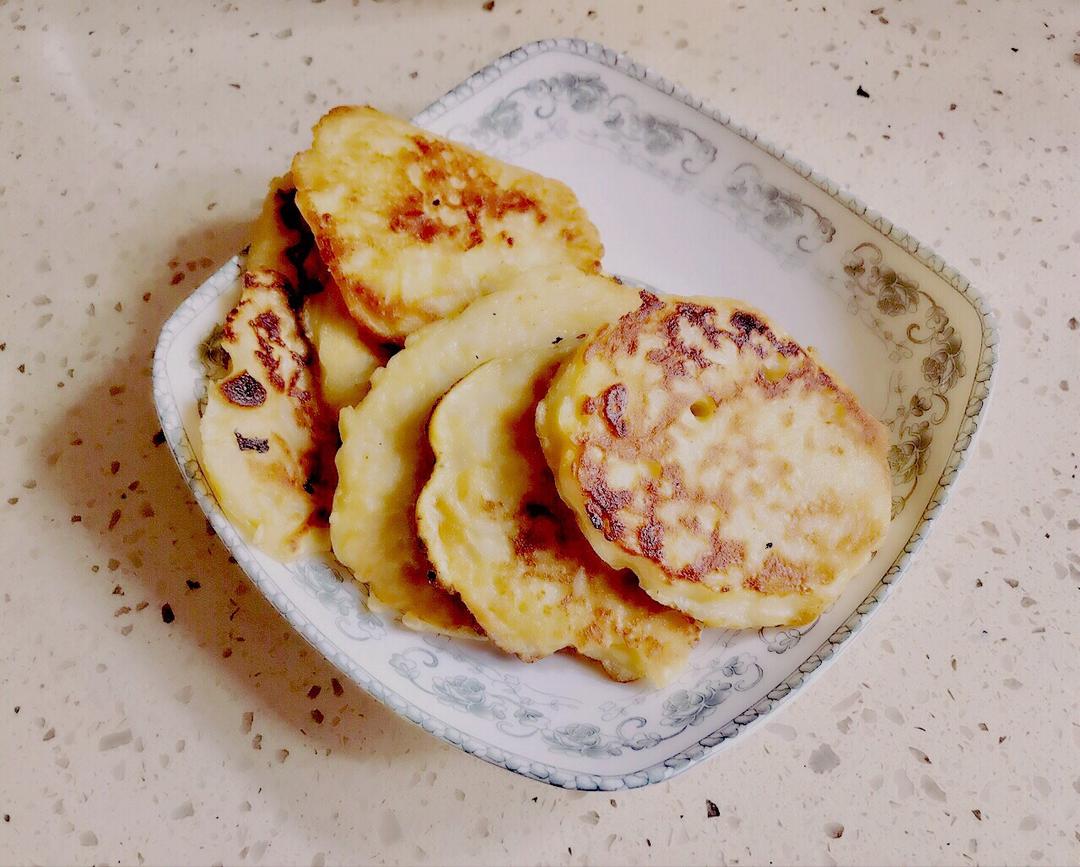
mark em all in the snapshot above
pixel 526 448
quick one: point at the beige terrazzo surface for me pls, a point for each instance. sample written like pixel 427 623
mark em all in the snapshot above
pixel 135 143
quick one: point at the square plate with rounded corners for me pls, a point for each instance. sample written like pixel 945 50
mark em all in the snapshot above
pixel 686 202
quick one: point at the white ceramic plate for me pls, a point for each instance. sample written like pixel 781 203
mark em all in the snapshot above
pixel 686 202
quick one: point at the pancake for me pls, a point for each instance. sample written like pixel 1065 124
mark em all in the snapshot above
pixel 345 353
pixel 500 537
pixel 413 227
pixel 385 459
pixel 278 240
pixel 267 444
pixel 345 357
pixel 712 455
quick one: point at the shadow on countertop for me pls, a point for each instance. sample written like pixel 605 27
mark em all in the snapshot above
pixel 107 463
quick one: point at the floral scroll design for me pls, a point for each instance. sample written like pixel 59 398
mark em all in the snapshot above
pixel 780 640
pixel 521 711
pixel 343 598
pixel 657 145
pixel 687 707
pixel 912 325
pixel 618 113
pixel 779 209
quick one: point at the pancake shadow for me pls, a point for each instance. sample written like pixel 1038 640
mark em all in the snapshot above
pixel 104 463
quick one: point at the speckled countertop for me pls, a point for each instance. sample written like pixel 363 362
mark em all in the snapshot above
pixel 135 144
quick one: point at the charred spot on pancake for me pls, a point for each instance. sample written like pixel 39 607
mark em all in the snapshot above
pixel 538 529
pixel 677 351
pixel 748 324
pixel 244 390
pixel 651 539
pixel 251 444
pixel 723 554
pixel 503 203
pixel 614 401
pixel 650 301
pixel 273 349
pixel 309 280
pixel 266 326
pixel 602 504
pixel 411 219
pixel 268 323
pixel 701 317
pixel 778 575
pixel 441 170
pixel 622 336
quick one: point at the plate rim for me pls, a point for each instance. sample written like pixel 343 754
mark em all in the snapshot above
pixel 805 673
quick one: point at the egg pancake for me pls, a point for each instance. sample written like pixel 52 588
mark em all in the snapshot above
pixel 413 227
pixel 500 537
pixel 267 444
pixel 281 241
pixel 712 455
pixel 385 458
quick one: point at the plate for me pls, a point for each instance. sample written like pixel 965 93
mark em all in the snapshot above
pixel 689 202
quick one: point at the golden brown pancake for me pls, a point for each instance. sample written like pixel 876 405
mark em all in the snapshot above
pixel 707 451
pixel 413 227
pixel 499 536
pixel 267 443
pixel 385 459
